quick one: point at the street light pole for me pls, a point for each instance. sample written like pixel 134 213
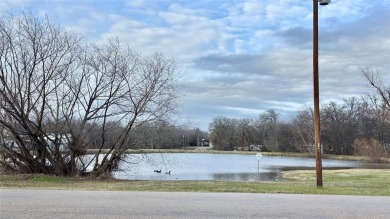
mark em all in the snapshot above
pixel 317 131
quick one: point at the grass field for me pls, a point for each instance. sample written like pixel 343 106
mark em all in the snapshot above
pixel 371 182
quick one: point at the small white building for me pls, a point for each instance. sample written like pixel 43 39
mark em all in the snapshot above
pixel 62 140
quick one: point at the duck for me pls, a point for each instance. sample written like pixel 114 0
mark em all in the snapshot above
pixel 157 171
pixel 169 173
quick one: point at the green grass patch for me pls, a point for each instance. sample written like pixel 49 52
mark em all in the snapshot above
pixel 337 182
pixel 348 181
pixel 50 179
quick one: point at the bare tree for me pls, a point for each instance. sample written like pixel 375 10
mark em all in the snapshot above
pixel 35 55
pixel 56 90
pixel 119 90
pixel 223 132
pixel 376 115
pixel 269 129
pixel 304 130
pixel 339 125
pixel 286 137
pixel 375 81
pixel 245 135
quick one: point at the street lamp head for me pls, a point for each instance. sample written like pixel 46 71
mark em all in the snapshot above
pixel 324 2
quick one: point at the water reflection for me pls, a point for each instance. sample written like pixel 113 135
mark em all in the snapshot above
pixel 248 177
pixel 227 167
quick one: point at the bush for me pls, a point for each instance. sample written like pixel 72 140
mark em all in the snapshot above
pixel 371 148
pixel 264 149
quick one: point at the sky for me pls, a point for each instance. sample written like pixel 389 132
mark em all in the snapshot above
pixel 239 58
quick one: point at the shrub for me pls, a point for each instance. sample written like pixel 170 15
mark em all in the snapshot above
pixel 370 148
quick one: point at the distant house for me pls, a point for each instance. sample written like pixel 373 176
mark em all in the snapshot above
pixel 205 143
pixel 254 147
pixel 60 140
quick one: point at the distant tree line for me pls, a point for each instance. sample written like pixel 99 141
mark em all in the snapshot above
pixel 346 128
pixel 153 135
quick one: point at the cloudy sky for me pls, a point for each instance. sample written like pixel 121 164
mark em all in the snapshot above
pixel 239 58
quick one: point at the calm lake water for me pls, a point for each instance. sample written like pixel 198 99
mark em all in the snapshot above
pixel 228 167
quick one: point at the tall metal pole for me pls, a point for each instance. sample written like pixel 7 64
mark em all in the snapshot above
pixel 317 131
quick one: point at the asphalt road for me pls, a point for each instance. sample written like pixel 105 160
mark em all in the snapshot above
pixel 24 203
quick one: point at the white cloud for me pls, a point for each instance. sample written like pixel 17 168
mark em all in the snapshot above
pixel 253 112
pixel 184 34
pixel 252 7
pixel 243 57
pixel 6 5
pixel 286 12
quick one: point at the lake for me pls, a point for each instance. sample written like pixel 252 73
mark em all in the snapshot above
pixel 227 167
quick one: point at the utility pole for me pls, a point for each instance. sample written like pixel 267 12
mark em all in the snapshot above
pixel 317 130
